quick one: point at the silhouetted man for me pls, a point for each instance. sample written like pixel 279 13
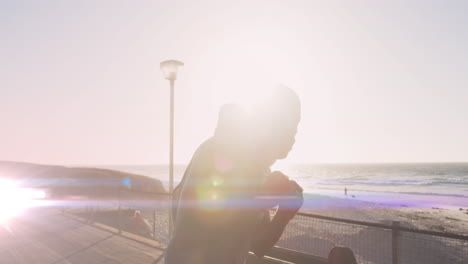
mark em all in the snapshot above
pixel 221 207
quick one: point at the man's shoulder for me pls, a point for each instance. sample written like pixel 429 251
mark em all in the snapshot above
pixel 201 157
pixel 203 151
pixel 206 145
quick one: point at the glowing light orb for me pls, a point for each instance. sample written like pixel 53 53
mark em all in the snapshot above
pixel 216 181
pixel 14 200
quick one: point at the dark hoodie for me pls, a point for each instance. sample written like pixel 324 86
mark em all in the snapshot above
pixel 214 209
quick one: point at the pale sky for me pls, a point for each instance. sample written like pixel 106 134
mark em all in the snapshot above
pixel 380 81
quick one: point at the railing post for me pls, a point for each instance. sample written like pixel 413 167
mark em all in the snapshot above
pixel 395 253
pixel 154 224
pixel 119 212
pixel 88 213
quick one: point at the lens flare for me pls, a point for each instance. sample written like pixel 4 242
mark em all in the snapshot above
pixel 14 200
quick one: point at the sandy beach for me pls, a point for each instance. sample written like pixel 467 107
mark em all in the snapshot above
pixel 452 220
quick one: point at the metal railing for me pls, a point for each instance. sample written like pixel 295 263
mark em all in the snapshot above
pixel 119 213
pixel 373 242
pixel 307 234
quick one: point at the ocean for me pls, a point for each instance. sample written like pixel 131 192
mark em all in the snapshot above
pixel 425 185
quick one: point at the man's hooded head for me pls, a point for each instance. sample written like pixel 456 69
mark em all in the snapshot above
pixel 267 131
pixel 277 118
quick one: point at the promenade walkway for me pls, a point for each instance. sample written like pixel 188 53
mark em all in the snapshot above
pixel 50 237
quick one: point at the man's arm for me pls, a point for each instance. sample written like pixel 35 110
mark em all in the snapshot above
pixel 271 231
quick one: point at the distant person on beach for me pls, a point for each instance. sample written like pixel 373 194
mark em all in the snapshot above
pixel 345 191
pixel 221 207
pixel 341 255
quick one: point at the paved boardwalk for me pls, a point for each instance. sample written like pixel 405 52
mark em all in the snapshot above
pixel 49 237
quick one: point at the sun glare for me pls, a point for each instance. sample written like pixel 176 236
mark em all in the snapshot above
pixel 14 200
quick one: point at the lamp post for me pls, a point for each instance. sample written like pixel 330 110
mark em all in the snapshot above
pixel 169 69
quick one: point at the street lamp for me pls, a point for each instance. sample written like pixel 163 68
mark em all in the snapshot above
pixel 169 69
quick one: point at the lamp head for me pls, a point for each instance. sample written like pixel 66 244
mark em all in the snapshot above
pixel 169 69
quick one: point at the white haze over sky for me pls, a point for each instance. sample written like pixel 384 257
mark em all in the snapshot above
pixel 380 81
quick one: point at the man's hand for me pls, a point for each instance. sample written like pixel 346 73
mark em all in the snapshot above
pixel 288 207
pixel 278 184
pixel 286 193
